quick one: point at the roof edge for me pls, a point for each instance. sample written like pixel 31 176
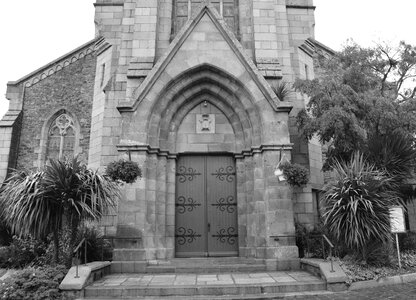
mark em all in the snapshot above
pixel 323 46
pixel 48 68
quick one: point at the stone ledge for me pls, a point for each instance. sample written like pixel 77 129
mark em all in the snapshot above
pixel 336 280
pixel 399 279
pixel 86 274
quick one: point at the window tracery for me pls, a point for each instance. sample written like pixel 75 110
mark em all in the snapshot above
pixel 61 138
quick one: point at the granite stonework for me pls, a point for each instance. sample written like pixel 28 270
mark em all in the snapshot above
pixel 146 92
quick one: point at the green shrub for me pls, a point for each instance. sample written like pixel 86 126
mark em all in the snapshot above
pixel 408 259
pixel 4 257
pixel 97 248
pixel 295 174
pixel 309 242
pixel 124 170
pixel 22 252
pixel 5 234
pixel 282 90
pixel 407 241
pixel 379 253
pixel 356 206
pixel 34 284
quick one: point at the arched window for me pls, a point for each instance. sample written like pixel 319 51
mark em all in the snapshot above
pixel 184 9
pixel 61 138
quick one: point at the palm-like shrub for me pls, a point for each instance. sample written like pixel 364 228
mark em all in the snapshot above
pixel 66 192
pixel 356 204
pixel 395 153
pixel 282 90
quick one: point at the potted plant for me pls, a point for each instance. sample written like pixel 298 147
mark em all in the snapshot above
pixel 124 171
pixel 295 174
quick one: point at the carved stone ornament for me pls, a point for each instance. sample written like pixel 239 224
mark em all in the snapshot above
pixel 205 123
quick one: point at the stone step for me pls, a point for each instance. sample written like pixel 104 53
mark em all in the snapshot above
pixel 192 291
pixel 180 262
pixel 124 286
pixel 143 267
pixel 293 295
pixel 204 265
pixel 206 268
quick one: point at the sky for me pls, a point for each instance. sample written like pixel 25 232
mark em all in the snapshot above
pixel 34 33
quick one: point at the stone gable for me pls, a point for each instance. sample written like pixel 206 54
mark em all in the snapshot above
pixel 71 88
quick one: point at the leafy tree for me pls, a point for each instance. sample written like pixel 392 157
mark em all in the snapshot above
pixel 356 205
pixel 64 193
pixel 362 94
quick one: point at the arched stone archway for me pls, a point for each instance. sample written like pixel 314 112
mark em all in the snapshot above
pixel 152 134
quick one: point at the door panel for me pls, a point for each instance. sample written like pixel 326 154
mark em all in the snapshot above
pixel 206 207
pixel 190 226
pixel 221 206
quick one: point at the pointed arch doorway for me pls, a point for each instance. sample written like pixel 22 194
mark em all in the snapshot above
pixel 206 206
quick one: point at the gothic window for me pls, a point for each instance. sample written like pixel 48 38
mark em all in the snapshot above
pixel 61 138
pixel 184 9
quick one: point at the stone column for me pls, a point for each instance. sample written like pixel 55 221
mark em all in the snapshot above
pixel 150 224
pixel 281 251
pixel 170 207
pixel 242 206
pixel 161 199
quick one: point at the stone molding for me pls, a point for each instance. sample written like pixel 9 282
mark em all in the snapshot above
pixel 301 7
pixel 166 153
pixel 269 67
pixel 140 67
pixel 308 47
pixel 60 63
pixel 109 4
pixel 10 118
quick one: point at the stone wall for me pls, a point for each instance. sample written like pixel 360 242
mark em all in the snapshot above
pixel 71 89
pixel 220 138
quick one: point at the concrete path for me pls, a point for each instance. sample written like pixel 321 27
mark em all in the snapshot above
pixel 397 292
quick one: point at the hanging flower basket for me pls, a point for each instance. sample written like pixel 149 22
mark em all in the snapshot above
pixel 295 174
pixel 124 170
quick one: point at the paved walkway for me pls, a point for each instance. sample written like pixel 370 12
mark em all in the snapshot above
pixel 396 292
pixel 116 280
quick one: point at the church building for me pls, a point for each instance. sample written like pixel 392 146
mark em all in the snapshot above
pixel 185 88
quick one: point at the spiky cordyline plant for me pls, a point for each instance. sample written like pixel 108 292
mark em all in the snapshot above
pixel 37 203
pixel 356 204
pixel 282 89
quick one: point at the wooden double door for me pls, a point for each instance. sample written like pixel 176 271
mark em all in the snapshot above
pixel 206 207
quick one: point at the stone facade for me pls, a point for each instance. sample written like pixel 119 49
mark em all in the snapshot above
pixel 143 89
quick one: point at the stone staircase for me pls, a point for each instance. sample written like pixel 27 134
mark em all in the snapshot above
pixel 202 265
pixel 265 285
pixel 206 265
pixel 205 278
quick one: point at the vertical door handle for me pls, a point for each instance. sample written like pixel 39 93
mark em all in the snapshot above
pixel 209 227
